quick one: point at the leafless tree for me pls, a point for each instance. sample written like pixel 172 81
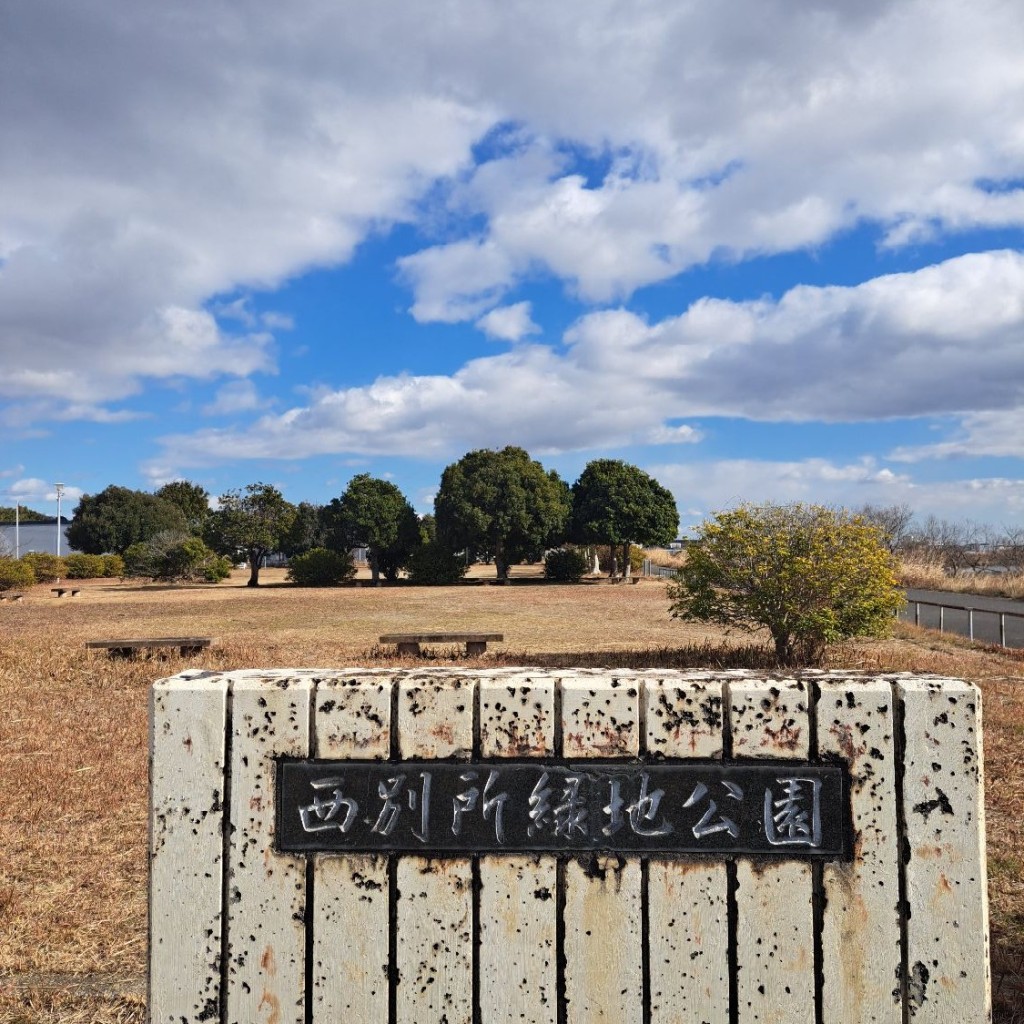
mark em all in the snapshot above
pixel 892 520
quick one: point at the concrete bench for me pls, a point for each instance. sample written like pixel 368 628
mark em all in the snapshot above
pixel 187 645
pixel 409 643
pixel 12 597
pixel 244 928
pixel 65 591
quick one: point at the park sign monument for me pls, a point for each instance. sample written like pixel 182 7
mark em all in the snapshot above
pixel 425 846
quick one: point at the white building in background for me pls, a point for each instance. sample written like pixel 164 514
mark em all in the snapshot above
pixel 35 537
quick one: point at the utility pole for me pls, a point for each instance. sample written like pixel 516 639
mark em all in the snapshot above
pixel 60 494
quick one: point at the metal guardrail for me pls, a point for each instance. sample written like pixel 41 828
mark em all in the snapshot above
pixel 650 569
pixel 1003 616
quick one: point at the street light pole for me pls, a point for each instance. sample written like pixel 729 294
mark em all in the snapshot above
pixel 60 494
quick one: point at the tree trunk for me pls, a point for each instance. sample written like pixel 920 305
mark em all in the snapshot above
pixel 499 562
pixel 626 567
pixel 784 652
pixel 374 559
pixel 254 570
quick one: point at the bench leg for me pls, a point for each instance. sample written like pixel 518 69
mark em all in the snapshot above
pixel 474 647
pixel 121 652
pixel 187 652
pixel 409 648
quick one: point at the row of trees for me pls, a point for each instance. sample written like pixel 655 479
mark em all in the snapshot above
pixel 498 505
pixel 961 545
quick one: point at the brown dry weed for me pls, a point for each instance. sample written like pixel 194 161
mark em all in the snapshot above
pixel 73 741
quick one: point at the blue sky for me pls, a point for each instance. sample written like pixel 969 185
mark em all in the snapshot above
pixel 764 255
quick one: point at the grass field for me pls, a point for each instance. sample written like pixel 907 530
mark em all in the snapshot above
pixel 73 742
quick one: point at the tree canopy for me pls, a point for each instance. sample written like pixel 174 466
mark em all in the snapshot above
pixel 809 574
pixel 373 513
pixel 8 513
pixel 616 503
pixel 117 517
pixel 502 503
pixel 192 499
pixel 254 521
pixel 307 530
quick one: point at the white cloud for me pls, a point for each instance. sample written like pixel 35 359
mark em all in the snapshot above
pixel 34 489
pixel 235 397
pixel 665 434
pixel 944 340
pixel 739 149
pixel 998 433
pixel 707 487
pixel 508 323
pixel 157 156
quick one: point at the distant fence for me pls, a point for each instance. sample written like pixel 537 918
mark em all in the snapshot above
pixel 650 569
pixel 965 626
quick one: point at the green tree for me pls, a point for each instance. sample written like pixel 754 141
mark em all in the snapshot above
pixel 616 503
pixel 116 518
pixel 501 502
pixel 253 522
pixel 8 513
pixel 192 499
pixel 810 575
pixel 374 514
pixel 307 530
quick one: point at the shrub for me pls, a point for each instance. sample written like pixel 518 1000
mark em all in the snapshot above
pixel 319 567
pixel 175 557
pixel 566 565
pixel 433 565
pixel 85 567
pixel 15 573
pixel 113 566
pixel 218 569
pixel 140 561
pixel 46 568
pixel 810 575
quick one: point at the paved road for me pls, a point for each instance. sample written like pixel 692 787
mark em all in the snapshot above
pixel 986 615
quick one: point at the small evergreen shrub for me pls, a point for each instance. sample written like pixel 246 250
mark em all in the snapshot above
pixel 218 569
pixel 85 567
pixel 46 568
pixel 433 565
pixel 140 561
pixel 15 573
pixel 320 567
pixel 566 565
pixel 175 557
pixel 113 566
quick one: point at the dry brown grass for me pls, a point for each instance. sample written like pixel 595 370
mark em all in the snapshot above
pixel 669 559
pixel 932 576
pixel 73 742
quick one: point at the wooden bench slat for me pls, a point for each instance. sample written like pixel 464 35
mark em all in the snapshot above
pixel 163 641
pixel 438 638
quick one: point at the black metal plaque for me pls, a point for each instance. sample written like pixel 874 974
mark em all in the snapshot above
pixel 440 808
